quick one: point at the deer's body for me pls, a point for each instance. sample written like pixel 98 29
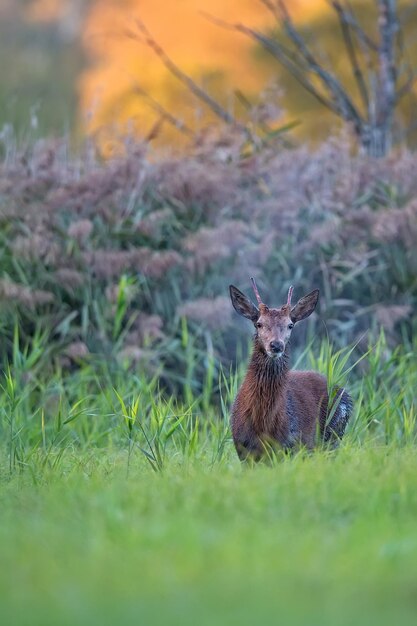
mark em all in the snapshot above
pixel 276 405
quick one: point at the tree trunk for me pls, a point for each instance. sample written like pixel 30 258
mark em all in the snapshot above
pixel 376 139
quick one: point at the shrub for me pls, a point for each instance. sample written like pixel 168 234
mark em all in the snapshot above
pixel 111 254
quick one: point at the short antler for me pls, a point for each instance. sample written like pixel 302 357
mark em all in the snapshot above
pixel 255 288
pixel 290 290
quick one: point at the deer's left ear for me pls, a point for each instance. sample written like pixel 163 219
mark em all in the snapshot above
pixel 305 306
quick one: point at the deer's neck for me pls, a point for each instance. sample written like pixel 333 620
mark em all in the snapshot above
pixel 267 382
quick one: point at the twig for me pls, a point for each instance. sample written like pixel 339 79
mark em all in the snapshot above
pixel 387 74
pixel 191 85
pixel 345 106
pixel 164 113
pixel 271 6
pixel 403 54
pixel 357 72
pixel 360 33
pixel 406 88
pixel 281 53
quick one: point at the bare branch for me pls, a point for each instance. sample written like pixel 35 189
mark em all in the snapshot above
pixel 164 113
pixel 406 88
pixel 367 48
pixel 403 55
pixel 346 108
pixel 388 28
pixel 271 6
pixel 191 85
pixel 154 131
pixel 350 47
pixel 360 33
pixel 295 66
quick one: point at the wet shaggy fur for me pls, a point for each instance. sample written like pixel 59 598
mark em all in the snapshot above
pixel 288 407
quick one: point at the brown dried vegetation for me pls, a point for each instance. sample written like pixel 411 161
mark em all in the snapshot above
pixel 183 227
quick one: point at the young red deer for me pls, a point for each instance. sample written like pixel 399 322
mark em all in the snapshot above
pixel 274 403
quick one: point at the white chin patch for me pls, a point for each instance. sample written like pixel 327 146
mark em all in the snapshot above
pixel 275 355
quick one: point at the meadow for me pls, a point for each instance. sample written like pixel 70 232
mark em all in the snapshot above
pixel 123 503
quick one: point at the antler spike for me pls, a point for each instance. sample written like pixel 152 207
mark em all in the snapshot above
pixel 255 288
pixel 290 290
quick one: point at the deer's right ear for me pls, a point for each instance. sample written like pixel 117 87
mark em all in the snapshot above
pixel 242 304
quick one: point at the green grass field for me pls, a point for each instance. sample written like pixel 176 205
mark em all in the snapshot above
pixel 120 505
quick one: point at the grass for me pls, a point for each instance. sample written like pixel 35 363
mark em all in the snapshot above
pixel 121 505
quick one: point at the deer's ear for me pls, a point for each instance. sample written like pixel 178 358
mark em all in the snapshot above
pixel 242 304
pixel 305 306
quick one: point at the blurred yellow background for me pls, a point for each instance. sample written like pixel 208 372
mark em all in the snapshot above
pixel 108 63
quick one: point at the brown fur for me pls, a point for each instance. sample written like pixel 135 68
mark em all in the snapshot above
pixel 276 405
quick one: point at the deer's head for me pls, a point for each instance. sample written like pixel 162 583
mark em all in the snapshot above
pixel 273 326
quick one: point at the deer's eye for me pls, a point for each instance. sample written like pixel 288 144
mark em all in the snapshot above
pixel 291 325
pixel 258 325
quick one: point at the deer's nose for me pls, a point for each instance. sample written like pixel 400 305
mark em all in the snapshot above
pixel 277 346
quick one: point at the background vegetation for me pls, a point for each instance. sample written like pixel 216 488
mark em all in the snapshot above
pixel 109 258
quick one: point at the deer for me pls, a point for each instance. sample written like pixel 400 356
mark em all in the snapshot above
pixel 276 406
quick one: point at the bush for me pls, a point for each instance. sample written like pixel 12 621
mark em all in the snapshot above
pixel 108 256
